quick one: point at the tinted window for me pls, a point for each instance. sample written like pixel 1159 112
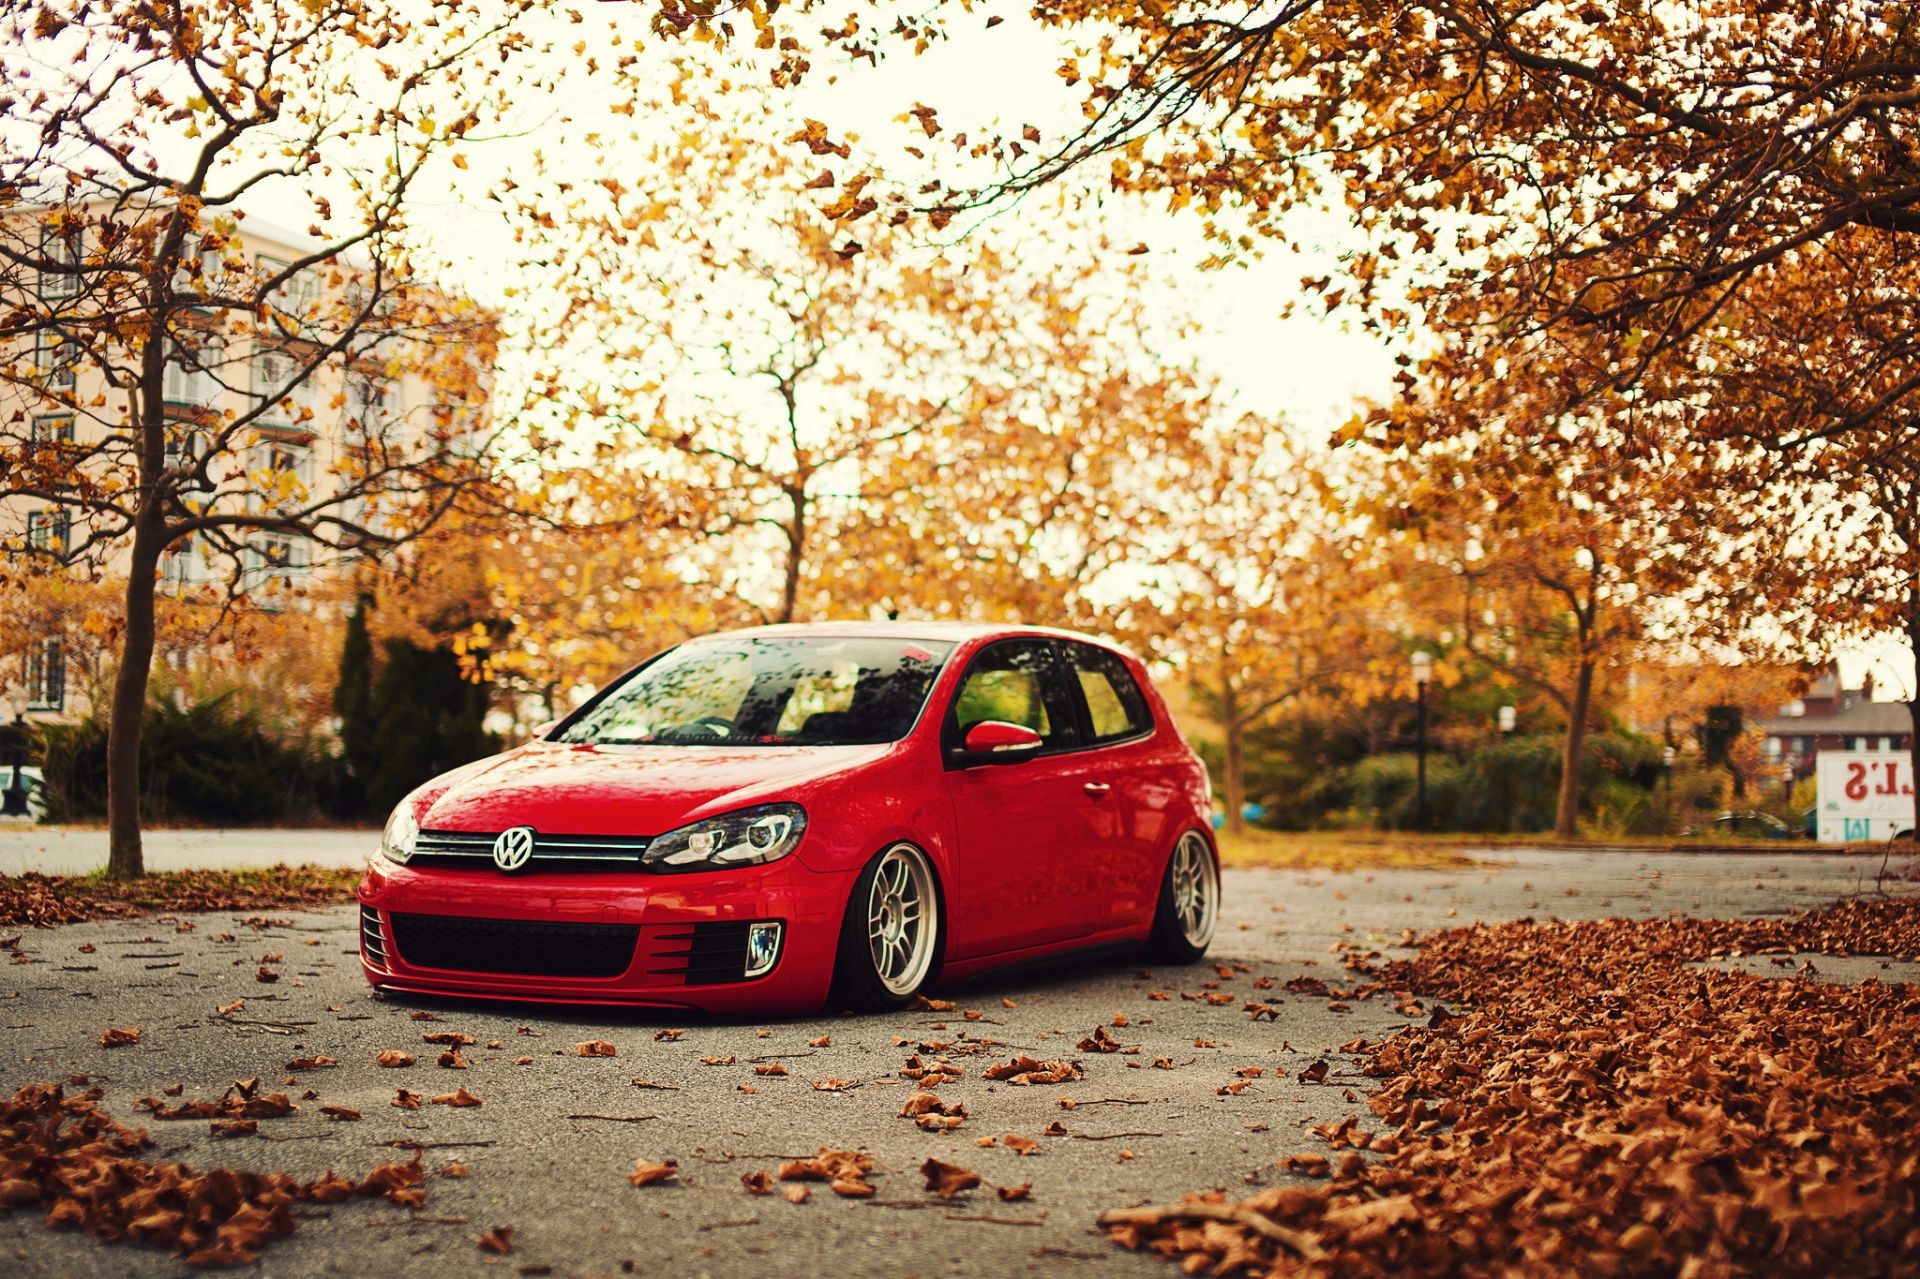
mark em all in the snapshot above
pixel 1115 705
pixel 815 691
pixel 1014 682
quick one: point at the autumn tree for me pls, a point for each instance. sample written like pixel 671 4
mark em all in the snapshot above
pixel 171 389
pixel 1261 599
pixel 858 423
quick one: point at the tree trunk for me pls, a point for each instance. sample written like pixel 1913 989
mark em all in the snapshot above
pixel 124 856
pixel 1233 784
pixel 1566 821
pixel 796 552
pixel 1913 706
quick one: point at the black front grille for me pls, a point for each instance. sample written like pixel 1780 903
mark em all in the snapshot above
pixel 373 941
pixel 531 947
pixel 706 953
pixel 466 848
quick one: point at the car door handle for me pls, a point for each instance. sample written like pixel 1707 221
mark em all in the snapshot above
pixel 1097 789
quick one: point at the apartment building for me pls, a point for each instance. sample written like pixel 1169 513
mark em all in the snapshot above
pixel 303 393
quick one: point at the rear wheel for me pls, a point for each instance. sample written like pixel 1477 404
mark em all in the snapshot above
pixel 891 932
pixel 1189 903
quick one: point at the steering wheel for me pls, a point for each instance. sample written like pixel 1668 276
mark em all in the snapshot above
pixel 718 725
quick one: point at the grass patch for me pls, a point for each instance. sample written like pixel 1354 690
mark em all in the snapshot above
pixel 1342 850
pixel 45 900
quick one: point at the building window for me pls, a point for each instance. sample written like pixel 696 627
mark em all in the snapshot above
pixel 55 358
pixel 63 250
pixel 46 676
pixel 192 372
pixel 283 387
pixel 373 405
pixel 54 431
pixel 50 531
pixel 182 564
pixel 277 557
pixel 186 446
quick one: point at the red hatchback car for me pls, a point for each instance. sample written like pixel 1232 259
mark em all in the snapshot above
pixel 781 818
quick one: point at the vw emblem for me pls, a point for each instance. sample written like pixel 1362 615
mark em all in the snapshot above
pixel 512 849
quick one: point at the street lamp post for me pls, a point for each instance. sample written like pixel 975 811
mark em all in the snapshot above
pixel 1422 676
pixel 1666 782
pixel 13 802
pixel 1786 781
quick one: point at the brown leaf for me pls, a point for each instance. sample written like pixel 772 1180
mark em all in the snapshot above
pixel 119 1036
pixel 596 1048
pixel 499 1240
pixel 948 1180
pixel 1020 1145
pixel 459 1098
pixel 646 1174
pixel 405 1100
pixel 1100 1041
pixel 394 1059
pixel 1013 1194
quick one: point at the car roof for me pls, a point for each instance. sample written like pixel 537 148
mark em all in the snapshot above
pixel 956 632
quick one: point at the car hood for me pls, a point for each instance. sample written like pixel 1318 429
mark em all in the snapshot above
pixel 630 790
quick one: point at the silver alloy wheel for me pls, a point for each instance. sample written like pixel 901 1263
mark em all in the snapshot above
pixel 901 919
pixel 1196 889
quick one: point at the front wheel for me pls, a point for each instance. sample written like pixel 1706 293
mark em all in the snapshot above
pixel 1189 903
pixel 890 934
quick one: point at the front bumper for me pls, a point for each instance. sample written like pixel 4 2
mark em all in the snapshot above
pixel 665 941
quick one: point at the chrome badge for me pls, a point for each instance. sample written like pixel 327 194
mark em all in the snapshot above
pixel 513 847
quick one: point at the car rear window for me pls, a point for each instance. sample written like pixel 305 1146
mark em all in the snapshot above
pixel 1115 704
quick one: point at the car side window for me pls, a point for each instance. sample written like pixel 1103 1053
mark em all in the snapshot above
pixel 1115 706
pixel 1014 681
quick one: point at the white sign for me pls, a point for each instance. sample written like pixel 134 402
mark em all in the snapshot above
pixel 1864 795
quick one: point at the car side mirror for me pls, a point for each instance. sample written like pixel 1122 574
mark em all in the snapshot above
pixel 541 730
pixel 999 742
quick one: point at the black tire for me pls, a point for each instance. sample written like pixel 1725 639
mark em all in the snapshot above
pixel 858 981
pixel 1176 938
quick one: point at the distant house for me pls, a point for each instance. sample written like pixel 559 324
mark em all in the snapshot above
pixel 1834 718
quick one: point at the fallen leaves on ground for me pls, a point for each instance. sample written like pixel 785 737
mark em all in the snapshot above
pixel 119 1036
pixel 1598 1104
pixel 66 1155
pixel 646 1173
pixel 947 1180
pixel 596 1048
pixel 844 1171
pixel 46 900
pixel 459 1098
pixel 1025 1070
pixel 242 1100
pixel 393 1059
pixel 499 1240
pixel 1100 1041
pixel 931 1114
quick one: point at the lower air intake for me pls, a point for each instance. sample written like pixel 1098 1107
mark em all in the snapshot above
pixel 531 948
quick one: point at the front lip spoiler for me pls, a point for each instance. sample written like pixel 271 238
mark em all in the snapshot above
pixel 402 986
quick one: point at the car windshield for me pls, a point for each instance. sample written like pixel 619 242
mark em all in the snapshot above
pixel 786 691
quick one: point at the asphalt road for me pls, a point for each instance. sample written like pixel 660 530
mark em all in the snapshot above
pixel 557 1134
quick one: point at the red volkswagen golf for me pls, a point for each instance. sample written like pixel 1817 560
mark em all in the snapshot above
pixel 782 818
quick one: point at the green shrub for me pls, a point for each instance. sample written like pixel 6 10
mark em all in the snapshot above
pixel 212 762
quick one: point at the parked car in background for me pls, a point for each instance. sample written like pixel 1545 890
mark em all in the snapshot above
pixel 792 816
pixel 1744 827
pixel 29 780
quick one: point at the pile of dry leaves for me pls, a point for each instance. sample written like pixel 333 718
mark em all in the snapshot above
pixel 65 1156
pixel 1609 1107
pixel 46 900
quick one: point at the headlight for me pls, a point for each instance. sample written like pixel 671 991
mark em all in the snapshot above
pixel 397 841
pixel 745 838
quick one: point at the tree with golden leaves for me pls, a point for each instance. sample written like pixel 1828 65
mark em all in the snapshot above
pixel 854 428
pixel 169 389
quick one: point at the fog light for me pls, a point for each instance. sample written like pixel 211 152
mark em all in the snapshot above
pixel 763 949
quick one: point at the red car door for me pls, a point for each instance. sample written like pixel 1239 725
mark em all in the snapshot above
pixel 1124 765
pixel 1024 826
